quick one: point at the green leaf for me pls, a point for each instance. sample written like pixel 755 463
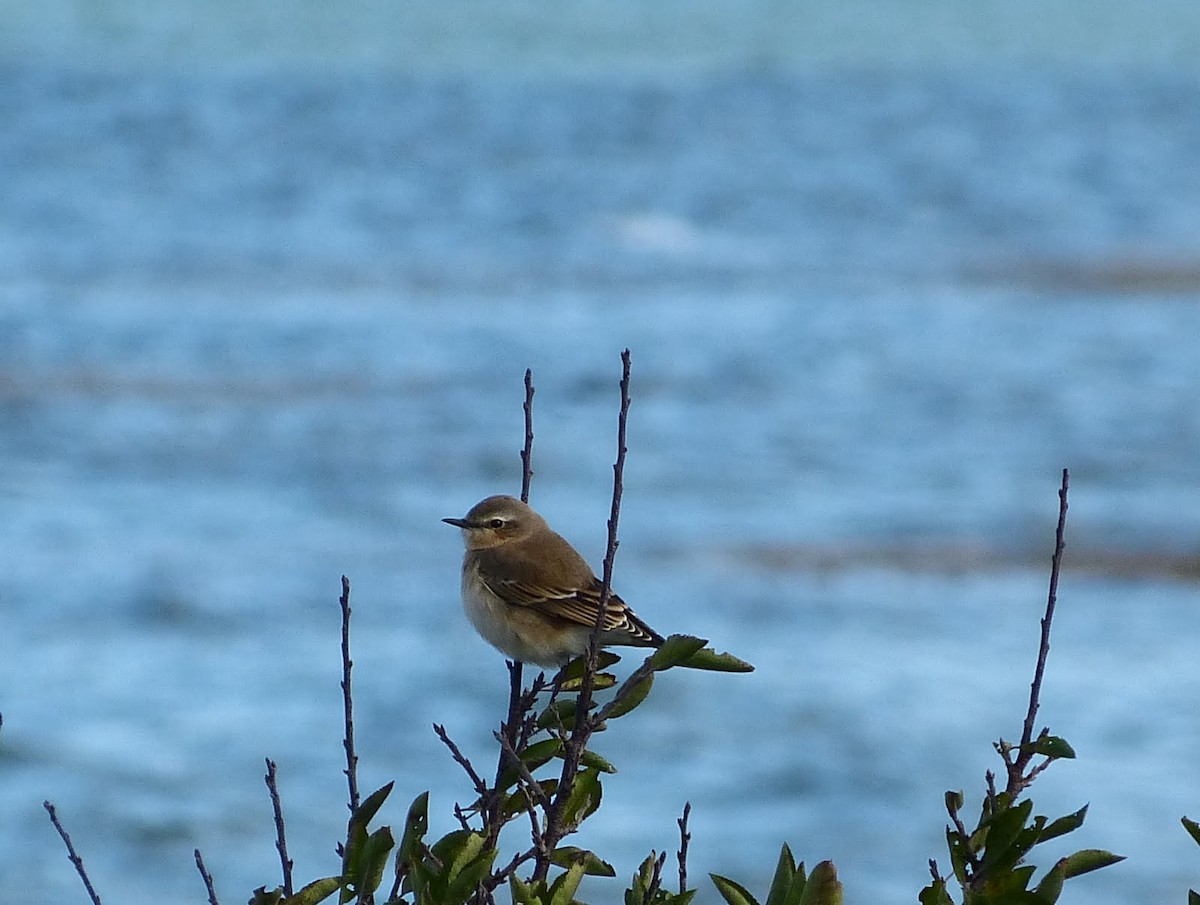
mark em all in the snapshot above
pixel 534 756
pixel 675 650
pixel 1087 860
pixel 600 681
pixel 516 803
pixel 562 891
pixel 708 659
pixel 1053 746
pixel 1193 829
pixel 522 893
pixel 592 759
pixel 823 886
pixel 733 893
pixel 799 883
pixel 679 898
pixel 371 804
pixel 464 863
pixel 629 697
pixel 574 669
pixel 1193 897
pixel 958 856
pixel 262 897
pixel 583 799
pixel 1051 886
pixel 639 887
pixel 314 892
pixel 954 802
pixel 935 894
pixel 568 855
pixel 541 752
pixel 366 873
pixel 1002 831
pixel 1005 884
pixel 463 886
pixel 785 873
pixel 560 714
pixel 1064 825
pixel 416 825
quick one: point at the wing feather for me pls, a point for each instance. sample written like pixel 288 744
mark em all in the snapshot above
pixel 578 605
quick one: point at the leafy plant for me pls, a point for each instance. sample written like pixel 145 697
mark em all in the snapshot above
pixel 988 862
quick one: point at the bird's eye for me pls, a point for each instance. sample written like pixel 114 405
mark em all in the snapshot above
pixel 496 523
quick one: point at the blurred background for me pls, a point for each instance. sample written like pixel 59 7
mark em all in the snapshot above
pixel 271 275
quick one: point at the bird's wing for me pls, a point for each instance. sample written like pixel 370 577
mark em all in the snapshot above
pixel 579 605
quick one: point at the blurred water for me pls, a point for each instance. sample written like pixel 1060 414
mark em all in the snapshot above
pixel 263 321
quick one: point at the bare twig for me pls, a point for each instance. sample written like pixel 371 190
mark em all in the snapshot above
pixel 513 731
pixel 461 759
pixel 585 722
pixel 684 838
pixel 534 788
pixel 207 878
pixel 508 870
pixel 71 853
pixel 1018 779
pixel 461 817
pixel 527 450
pixel 280 836
pixel 518 705
pixel 348 698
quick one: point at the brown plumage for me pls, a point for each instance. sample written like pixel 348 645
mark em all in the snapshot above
pixel 528 591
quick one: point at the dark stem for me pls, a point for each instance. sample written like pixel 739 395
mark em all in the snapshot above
pixel 461 759
pixel 207 878
pixel 684 838
pixel 511 730
pixel 75 859
pixel 1017 780
pixel 280 836
pixel 527 450
pixel 508 870
pixel 533 788
pixel 348 699
pixel 585 724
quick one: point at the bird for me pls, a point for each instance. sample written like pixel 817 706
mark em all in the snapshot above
pixel 530 594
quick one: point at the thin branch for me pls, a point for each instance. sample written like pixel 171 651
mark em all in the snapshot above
pixel 280 835
pixel 498 877
pixel 207 878
pixel 75 859
pixel 461 817
pixel 585 722
pixel 511 728
pixel 684 838
pixel 1017 780
pixel 534 787
pixel 461 759
pixel 348 698
pixel 527 451
pixel 493 812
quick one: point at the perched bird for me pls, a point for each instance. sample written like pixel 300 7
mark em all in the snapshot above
pixel 530 594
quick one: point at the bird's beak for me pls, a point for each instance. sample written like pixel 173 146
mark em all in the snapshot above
pixel 457 522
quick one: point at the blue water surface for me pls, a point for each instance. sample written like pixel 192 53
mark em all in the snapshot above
pixel 267 296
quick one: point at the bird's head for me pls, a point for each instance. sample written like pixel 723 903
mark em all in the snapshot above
pixel 496 520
